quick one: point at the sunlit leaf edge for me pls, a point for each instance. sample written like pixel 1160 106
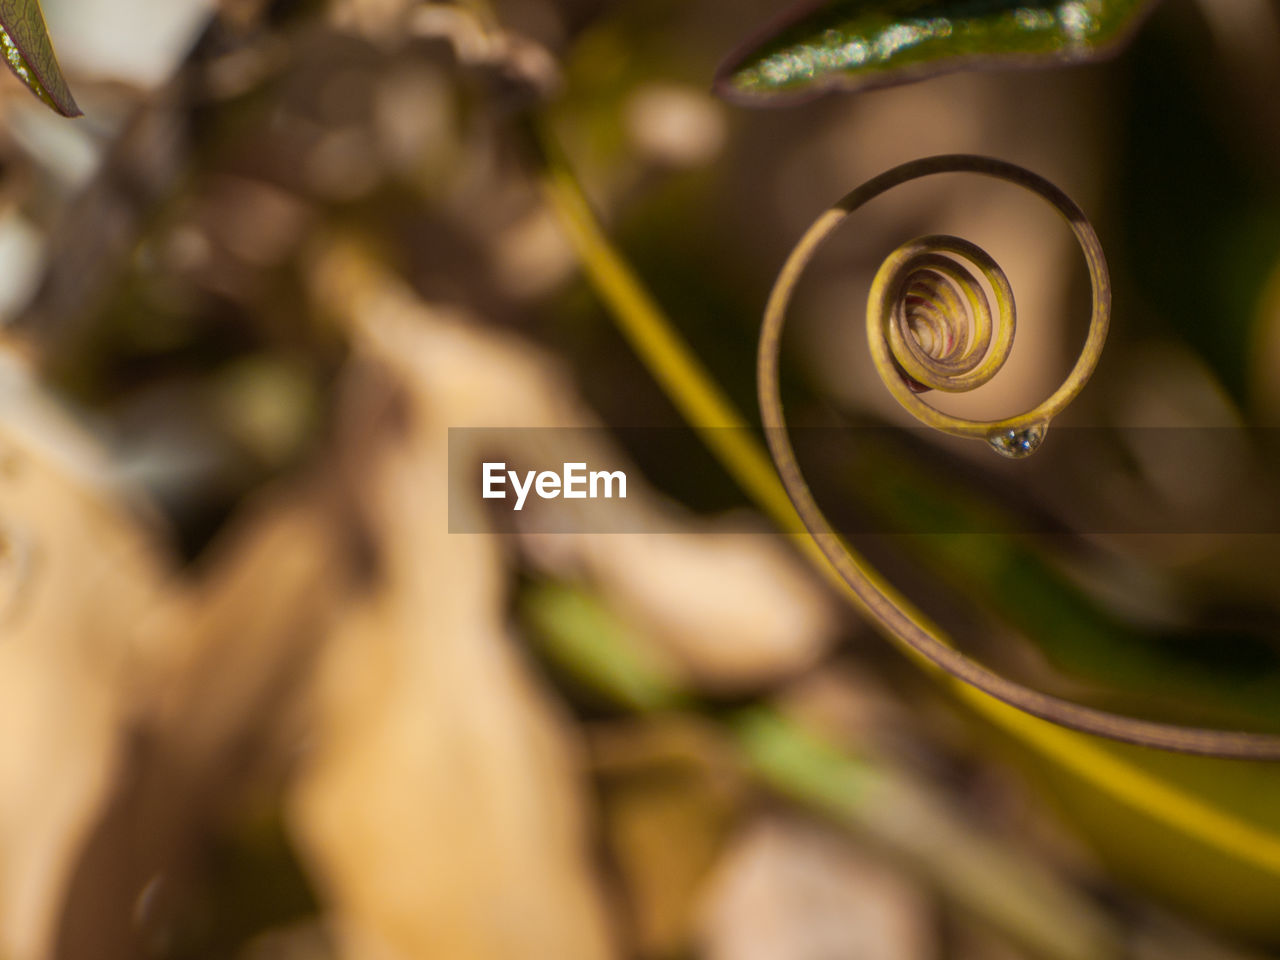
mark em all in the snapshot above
pixel 731 82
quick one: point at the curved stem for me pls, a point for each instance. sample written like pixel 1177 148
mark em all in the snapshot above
pixel 890 609
pixel 708 411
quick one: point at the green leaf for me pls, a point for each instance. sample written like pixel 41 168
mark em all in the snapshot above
pixel 581 634
pixel 852 44
pixel 29 53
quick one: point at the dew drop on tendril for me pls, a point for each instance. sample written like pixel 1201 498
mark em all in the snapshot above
pixel 1016 444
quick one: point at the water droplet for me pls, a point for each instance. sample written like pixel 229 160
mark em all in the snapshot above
pixel 1016 444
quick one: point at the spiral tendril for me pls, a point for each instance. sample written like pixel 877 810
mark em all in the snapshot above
pixel 935 316
pixel 930 326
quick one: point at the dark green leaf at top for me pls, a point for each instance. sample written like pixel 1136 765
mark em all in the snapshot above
pixel 852 44
pixel 29 54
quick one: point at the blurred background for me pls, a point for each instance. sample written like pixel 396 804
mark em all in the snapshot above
pixel 258 702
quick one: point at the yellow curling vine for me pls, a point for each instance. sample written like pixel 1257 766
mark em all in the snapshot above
pixel 707 410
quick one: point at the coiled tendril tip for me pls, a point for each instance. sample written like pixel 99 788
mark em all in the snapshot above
pixel 931 326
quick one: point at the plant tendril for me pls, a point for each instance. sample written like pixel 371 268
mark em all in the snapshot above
pixel 930 327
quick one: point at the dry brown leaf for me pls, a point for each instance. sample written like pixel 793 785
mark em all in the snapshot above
pixel 474 843
pixel 130 697
pixel 237 646
pixel 443 808
pixel 78 574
